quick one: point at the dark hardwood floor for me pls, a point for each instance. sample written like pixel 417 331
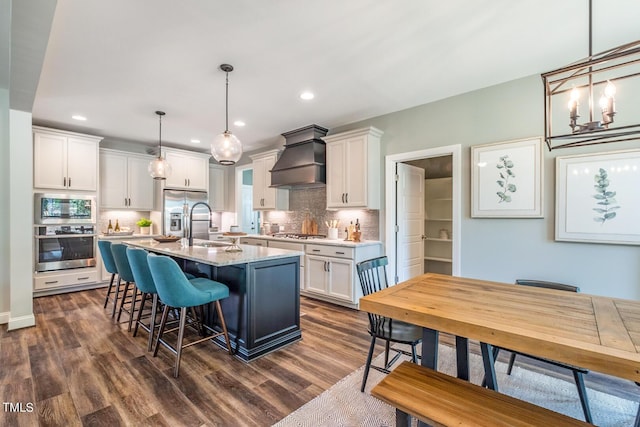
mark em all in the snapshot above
pixel 78 367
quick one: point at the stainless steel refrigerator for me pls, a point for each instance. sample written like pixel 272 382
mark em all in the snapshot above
pixel 175 213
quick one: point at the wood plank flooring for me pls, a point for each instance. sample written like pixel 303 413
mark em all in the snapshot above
pixel 79 368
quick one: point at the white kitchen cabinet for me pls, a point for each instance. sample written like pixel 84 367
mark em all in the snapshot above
pixel 332 277
pixel 189 170
pixel 217 188
pixel 65 280
pixel 353 169
pixel 64 160
pixel 125 182
pixel 265 197
pixel 331 274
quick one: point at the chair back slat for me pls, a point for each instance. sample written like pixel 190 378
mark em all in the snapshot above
pixel 373 278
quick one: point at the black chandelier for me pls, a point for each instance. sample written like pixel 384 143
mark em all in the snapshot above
pixel 598 77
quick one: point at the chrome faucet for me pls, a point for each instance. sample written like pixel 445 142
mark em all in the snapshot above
pixel 191 220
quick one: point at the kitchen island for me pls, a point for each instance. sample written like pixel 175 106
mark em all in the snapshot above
pixel 263 308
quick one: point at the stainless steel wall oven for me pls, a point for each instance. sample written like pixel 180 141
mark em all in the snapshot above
pixel 62 247
pixel 65 231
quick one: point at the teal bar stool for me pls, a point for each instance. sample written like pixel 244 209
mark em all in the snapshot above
pixel 144 283
pixel 110 265
pixel 176 291
pixel 119 251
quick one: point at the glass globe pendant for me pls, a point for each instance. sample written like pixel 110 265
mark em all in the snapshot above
pixel 226 148
pixel 159 168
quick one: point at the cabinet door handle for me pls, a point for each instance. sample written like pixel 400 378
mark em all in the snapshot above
pixel 315 250
pixel 129 201
pixel 189 182
pixel 83 278
pixel 69 182
pixel 328 266
pixel 346 197
pixel 342 197
pixel 51 282
pixel 64 181
pixel 339 253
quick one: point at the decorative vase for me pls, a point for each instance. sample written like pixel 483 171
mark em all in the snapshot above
pixel 145 230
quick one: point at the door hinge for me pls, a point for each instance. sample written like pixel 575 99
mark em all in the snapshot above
pixel 397 177
pixel 397 228
pixel 397 279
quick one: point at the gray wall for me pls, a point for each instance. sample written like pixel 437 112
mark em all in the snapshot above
pixel 506 249
pixel 4 204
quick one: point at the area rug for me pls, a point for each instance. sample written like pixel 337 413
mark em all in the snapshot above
pixel 344 404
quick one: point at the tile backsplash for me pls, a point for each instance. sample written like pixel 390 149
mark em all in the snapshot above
pixel 312 203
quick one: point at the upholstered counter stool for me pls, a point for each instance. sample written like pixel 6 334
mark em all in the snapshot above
pixel 110 265
pixel 144 283
pixel 119 251
pixel 176 291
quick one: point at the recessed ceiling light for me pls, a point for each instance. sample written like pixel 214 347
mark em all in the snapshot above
pixel 306 95
pixel 79 117
pixel 239 123
pixel 195 141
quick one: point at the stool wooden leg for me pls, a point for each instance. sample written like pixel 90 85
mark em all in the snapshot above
pixel 132 307
pixel 124 297
pixel 183 320
pixel 152 322
pixel 139 316
pixel 115 298
pixel 163 322
pixel 224 326
pixel 109 289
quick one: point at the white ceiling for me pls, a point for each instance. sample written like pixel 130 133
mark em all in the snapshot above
pixel 118 61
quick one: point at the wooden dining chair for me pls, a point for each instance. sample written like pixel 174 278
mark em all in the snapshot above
pixel 373 278
pixel 578 373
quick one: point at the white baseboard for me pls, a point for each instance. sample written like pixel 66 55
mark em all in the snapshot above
pixel 21 322
pixel 4 318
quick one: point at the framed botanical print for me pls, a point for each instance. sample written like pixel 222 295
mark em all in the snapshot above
pixel 598 197
pixel 506 179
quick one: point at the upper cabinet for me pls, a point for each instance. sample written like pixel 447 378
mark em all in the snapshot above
pixel 265 197
pixel 217 188
pixel 353 169
pixel 125 182
pixel 190 170
pixel 64 160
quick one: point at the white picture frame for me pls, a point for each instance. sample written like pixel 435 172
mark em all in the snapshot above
pixel 506 179
pixel 598 198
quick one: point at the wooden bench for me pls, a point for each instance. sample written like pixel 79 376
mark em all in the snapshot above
pixel 442 400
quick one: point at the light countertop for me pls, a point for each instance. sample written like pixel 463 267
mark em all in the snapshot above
pixel 328 242
pixel 214 253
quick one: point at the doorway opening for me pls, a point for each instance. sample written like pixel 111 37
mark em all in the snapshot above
pixel 247 218
pixel 422 225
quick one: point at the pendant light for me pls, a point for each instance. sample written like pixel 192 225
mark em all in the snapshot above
pixel 159 168
pixel 226 147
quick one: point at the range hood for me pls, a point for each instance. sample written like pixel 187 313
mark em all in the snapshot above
pixel 302 163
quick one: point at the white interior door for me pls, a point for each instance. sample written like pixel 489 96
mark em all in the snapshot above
pixel 410 222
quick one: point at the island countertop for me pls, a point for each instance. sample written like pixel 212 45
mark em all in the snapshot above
pixel 213 253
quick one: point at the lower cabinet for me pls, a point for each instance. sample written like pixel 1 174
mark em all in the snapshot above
pixel 330 276
pixel 65 280
pixel 331 272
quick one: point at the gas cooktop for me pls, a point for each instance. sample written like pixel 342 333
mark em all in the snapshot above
pixel 299 236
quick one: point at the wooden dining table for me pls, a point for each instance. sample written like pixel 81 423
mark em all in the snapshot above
pixel 594 332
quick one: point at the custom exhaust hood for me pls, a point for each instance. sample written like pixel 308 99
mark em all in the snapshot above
pixel 302 163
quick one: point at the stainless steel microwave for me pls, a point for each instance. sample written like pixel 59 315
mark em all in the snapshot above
pixel 64 209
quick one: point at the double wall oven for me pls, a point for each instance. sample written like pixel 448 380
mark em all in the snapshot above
pixel 65 231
